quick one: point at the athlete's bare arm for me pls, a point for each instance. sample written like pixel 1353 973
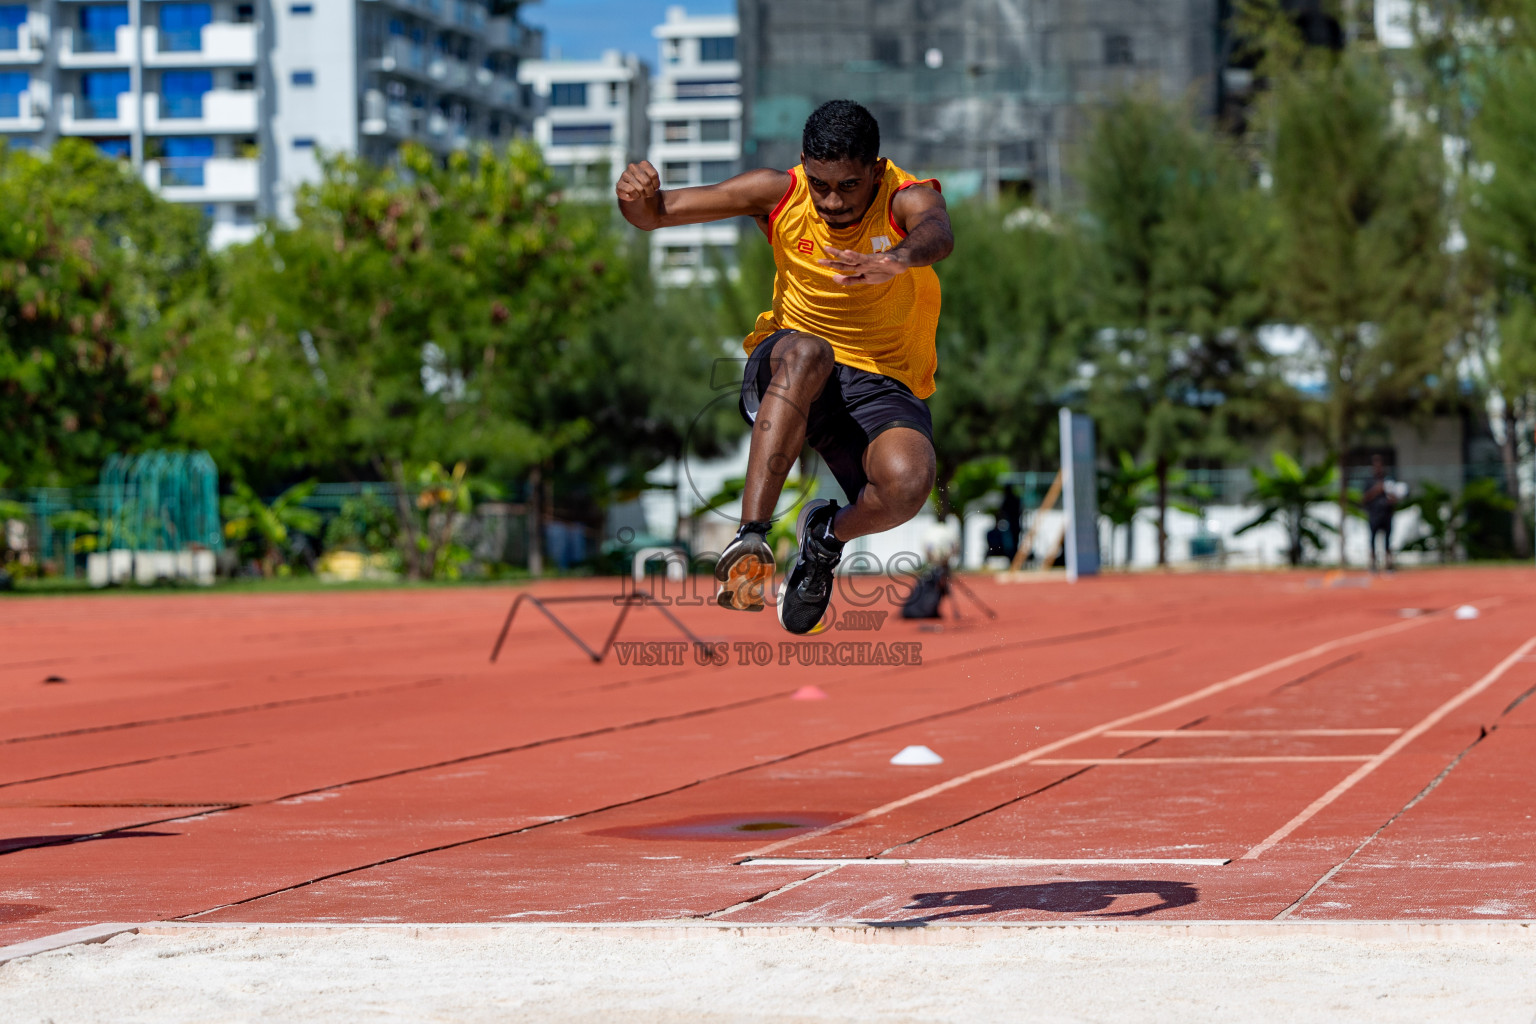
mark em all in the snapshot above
pixel 921 212
pixel 646 205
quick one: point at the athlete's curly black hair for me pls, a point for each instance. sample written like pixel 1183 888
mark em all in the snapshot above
pixel 841 129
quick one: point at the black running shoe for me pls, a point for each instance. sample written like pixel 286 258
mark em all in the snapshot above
pixel 808 590
pixel 745 569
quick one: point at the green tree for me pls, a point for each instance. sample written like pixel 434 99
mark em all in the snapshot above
pixel 1501 226
pixel 70 391
pixel 1176 233
pixel 1007 341
pixel 1361 228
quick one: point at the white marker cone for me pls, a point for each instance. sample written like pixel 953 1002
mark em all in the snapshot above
pixel 1467 611
pixel 916 755
pixel 809 693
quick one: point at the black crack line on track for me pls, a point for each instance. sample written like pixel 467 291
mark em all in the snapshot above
pixel 1417 798
pixel 196 716
pixel 1307 677
pixel 1518 701
pixel 756 766
pixel 127 764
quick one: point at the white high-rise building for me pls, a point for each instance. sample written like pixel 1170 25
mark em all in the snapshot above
pixel 226 104
pixel 591 120
pixel 695 115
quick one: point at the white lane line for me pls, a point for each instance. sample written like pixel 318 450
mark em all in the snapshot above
pixel 1423 726
pixel 1256 759
pixel 1181 733
pixel 1098 730
pixel 1004 862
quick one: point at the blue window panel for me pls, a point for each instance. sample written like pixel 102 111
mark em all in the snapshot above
pixel 303 143
pixel 301 9
pixel 181 93
pixel 303 78
pixel 184 160
pixel 117 149
pixel 13 83
pixel 98 27
pixel 181 27
pixel 99 91
pixel 568 94
pixel 717 48
pixel 12 17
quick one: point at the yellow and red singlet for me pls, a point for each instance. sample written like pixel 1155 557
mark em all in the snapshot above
pixel 884 328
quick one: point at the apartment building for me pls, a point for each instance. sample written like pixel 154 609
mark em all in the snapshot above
pixel 592 120
pixel 696 117
pixel 227 104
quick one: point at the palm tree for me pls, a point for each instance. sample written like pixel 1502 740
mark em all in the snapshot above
pixel 1288 494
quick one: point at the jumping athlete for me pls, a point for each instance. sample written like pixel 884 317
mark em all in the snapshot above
pixel 846 356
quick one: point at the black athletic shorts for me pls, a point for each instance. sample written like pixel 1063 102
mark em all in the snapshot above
pixel 853 409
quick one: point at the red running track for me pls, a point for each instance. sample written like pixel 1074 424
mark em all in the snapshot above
pixel 1231 747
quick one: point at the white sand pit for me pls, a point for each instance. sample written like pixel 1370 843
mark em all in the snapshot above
pixel 1132 973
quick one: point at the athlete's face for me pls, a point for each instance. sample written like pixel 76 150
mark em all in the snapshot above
pixel 842 190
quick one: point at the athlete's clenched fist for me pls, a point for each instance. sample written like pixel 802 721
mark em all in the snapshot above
pixel 639 181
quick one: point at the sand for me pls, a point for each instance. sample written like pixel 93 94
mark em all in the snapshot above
pixel 1136 973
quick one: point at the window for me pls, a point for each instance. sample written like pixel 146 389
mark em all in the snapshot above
pixel 580 134
pixel 303 79
pixel 568 94
pixel 303 142
pixel 245 14
pixel 245 214
pixel 711 90
pixel 712 171
pixel 183 161
pixel 117 149
pixel 98 27
pixel 245 81
pixel 12 85
pixel 676 131
pixel 613 94
pixel 99 91
pixel 181 93
pixel 12 17
pixel 675 174
pixel 717 48
pixel 680 256
pixel 888 50
pixel 715 131
pixel 1117 49
pixel 181 27
pixel 301 10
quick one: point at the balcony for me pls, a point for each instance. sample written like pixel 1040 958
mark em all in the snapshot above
pixel 221 44
pixel 449 73
pixel 213 112
pixel 204 179
pixel 21 45
pixel 82 48
pixel 108 115
pixel 400 54
pixel 507 34
pixel 19 112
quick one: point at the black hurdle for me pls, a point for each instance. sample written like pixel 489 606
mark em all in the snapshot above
pixel 640 597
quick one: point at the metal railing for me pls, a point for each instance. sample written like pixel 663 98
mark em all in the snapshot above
pixel 10 104
pixel 10 37
pixel 183 171
pixel 181 106
pixel 95 40
pixel 96 108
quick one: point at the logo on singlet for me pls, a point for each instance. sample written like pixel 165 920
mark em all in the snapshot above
pixel 806 246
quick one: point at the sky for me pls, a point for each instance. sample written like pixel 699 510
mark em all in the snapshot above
pixel 583 29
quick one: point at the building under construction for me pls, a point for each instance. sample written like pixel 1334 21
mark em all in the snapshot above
pixel 989 94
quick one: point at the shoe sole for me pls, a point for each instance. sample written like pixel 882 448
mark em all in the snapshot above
pixel 805 513
pixel 745 583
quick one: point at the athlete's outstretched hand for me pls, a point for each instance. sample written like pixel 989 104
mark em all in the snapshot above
pixel 639 181
pixel 863 268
